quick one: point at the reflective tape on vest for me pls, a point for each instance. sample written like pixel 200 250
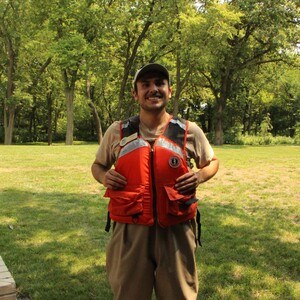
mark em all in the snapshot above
pixel 125 125
pixel 136 144
pixel 179 123
pixel 170 146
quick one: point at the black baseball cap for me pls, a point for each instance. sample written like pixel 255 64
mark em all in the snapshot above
pixel 152 67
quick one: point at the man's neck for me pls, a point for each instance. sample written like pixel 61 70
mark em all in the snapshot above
pixel 152 120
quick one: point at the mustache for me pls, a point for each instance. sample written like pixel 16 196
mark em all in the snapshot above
pixel 156 94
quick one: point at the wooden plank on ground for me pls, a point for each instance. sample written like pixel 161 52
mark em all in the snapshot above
pixel 7 283
pixel 8 297
pixel 3 269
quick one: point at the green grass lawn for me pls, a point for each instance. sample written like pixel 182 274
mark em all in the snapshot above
pixel 52 219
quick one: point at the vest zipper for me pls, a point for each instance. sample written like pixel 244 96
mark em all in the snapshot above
pixel 153 187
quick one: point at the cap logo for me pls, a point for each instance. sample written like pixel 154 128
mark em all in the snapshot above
pixel 174 162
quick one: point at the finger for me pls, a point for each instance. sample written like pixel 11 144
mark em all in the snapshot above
pixel 187 187
pixel 116 175
pixel 114 180
pixel 185 176
pixel 115 186
pixel 188 181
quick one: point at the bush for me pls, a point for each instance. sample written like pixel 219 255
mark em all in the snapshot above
pixel 297 133
pixel 280 140
pixel 232 135
pixel 256 140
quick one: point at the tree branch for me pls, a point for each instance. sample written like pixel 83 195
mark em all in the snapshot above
pixel 211 86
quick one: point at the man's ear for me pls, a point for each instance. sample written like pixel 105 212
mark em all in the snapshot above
pixel 170 92
pixel 134 94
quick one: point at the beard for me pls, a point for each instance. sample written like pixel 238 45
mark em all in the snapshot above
pixel 157 108
pixel 154 105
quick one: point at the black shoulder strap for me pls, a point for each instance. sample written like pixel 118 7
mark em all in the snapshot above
pixel 130 126
pixel 176 131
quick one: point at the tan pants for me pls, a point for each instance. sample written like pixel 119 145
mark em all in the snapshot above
pixel 140 258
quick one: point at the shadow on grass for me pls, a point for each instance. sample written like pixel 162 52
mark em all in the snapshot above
pixel 245 258
pixel 54 244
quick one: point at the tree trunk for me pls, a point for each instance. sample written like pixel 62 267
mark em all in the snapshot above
pixel 32 123
pixel 9 118
pixel 9 109
pixel 122 90
pixel 96 122
pixel 249 117
pixel 129 62
pixel 31 90
pixel 70 95
pixel 178 86
pixel 90 96
pixel 221 100
pixel 56 116
pixel 245 119
pixel 49 119
pixel 69 92
pixel 219 134
pixel 210 117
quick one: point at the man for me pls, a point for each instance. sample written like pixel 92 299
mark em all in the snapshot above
pixel 152 194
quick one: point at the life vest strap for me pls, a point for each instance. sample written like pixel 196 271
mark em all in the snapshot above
pixel 108 222
pixel 198 221
pixel 130 126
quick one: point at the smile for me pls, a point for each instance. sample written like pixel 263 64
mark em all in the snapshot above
pixel 154 98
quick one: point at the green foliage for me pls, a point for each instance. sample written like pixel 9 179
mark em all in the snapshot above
pixel 254 140
pixel 266 126
pixel 232 135
pixel 61 127
pixel 297 133
pixel 70 50
pixel 239 56
pixel 235 136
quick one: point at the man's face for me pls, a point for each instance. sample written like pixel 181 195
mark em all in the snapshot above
pixel 152 92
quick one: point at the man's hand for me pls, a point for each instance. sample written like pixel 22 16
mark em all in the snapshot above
pixel 187 183
pixel 114 180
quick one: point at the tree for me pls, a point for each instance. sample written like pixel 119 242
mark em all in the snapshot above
pixel 75 33
pixel 241 35
pixel 66 65
pixel 11 22
pixel 20 34
pixel 285 108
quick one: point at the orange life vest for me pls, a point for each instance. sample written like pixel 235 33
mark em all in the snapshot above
pixel 151 173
